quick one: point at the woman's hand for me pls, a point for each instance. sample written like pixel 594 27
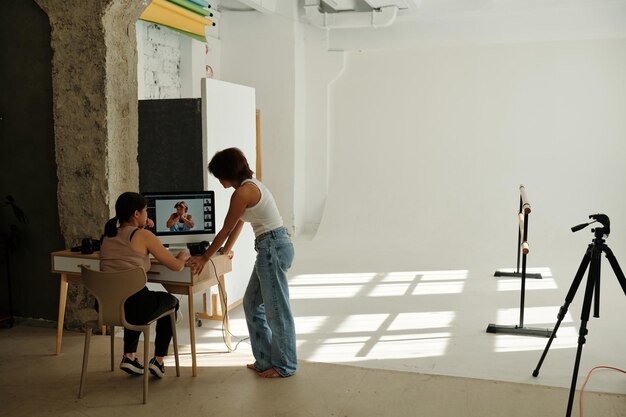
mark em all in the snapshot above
pixel 196 263
pixel 149 224
pixel 183 255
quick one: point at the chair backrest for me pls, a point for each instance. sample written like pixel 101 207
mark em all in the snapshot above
pixel 111 289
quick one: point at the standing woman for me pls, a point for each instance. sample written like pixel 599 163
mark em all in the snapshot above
pixel 129 246
pixel 266 300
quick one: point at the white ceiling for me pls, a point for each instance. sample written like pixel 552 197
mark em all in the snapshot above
pixel 363 24
pixel 416 8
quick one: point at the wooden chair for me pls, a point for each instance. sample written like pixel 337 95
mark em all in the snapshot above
pixel 111 289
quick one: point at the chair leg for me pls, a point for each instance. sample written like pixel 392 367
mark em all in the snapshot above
pixel 85 361
pixel 175 340
pixel 112 347
pixel 146 371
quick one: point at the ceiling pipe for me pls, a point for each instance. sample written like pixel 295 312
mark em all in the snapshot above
pixel 377 18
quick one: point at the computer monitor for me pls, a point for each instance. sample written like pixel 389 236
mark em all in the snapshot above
pixel 181 218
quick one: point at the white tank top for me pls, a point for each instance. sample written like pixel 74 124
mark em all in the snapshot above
pixel 263 216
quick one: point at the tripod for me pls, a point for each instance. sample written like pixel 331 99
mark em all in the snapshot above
pixel 592 291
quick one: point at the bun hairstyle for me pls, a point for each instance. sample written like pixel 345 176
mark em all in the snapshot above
pixel 230 164
pixel 183 204
pixel 125 208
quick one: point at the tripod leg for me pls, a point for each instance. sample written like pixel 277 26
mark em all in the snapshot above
pixel 616 268
pixel 594 275
pixel 572 390
pixel 568 300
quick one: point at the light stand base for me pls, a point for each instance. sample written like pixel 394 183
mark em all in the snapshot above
pixel 516 274
pixel 520 331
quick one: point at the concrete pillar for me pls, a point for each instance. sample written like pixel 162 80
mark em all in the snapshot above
pixel 94 81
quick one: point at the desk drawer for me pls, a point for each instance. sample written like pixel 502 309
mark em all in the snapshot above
pixel 66 264
pixel 162 273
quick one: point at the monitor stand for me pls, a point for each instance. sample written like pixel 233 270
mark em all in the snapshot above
pixel 175 248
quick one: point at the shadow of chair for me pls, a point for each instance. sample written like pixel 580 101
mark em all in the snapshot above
pixel 111 289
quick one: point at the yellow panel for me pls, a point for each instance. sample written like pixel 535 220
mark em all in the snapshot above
pixel 166 13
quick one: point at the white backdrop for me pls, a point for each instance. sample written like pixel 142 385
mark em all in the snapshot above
pixel 428 147
pixel 230 122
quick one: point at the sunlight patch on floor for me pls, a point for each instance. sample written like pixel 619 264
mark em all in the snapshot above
pixel 414 345
pixel 390 289
pixel 325 292
pixel 357 323
pixel 431 288
pixel 422 320
pixel 310 324
pixel 331 279
pixel 392 284
pixel 514 284
pixel 567 337
pixel 358 348
pixel 353 337
pixel 546 315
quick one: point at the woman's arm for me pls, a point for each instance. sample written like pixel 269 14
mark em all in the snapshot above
pixel 232 237
pixel 188 221
pixel 238 204
pixel 156 248
pixel 173 219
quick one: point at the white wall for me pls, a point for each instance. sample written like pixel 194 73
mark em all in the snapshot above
pixel 407 126
pixel 229 121
pixel 428 146
pixel 259 51
pixel 321 69
pixel 198 60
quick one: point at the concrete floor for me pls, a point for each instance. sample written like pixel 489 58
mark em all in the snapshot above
pixel 392 334
pixel 35 382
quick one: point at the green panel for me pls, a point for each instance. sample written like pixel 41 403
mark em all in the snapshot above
pixel 201 3
pixel 191 7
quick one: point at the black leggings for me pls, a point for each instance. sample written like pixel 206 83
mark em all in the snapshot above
pixel 144 306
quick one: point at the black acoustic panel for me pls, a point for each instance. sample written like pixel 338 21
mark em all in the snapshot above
pixel 170 145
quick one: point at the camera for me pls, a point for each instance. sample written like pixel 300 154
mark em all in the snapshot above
pixel 197 248
pixel 87 246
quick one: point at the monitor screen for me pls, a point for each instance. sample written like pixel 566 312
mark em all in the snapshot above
pixel 182 217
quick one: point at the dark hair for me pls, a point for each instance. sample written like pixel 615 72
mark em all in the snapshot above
pixel 230 164
pixel 125 207
pixel 182 204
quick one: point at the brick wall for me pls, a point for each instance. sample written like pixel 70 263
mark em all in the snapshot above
pixel 159 61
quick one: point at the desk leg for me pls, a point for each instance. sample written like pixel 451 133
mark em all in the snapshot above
pixel 61 316
pixel 224 305
pixel 192 332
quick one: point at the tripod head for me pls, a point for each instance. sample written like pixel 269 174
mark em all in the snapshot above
pixel 599 231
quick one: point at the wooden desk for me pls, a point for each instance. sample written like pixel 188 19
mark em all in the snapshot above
pixel 67 263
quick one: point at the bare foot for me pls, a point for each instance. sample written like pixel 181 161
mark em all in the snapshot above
pixel 270 373
pixel 251 366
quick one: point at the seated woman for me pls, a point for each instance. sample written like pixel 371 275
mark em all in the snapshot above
pixel 126 246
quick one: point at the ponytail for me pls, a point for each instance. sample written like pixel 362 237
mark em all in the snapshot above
pixel 125 206
pixel 110 228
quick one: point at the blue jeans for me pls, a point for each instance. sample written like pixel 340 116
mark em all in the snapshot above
pixel 266 304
